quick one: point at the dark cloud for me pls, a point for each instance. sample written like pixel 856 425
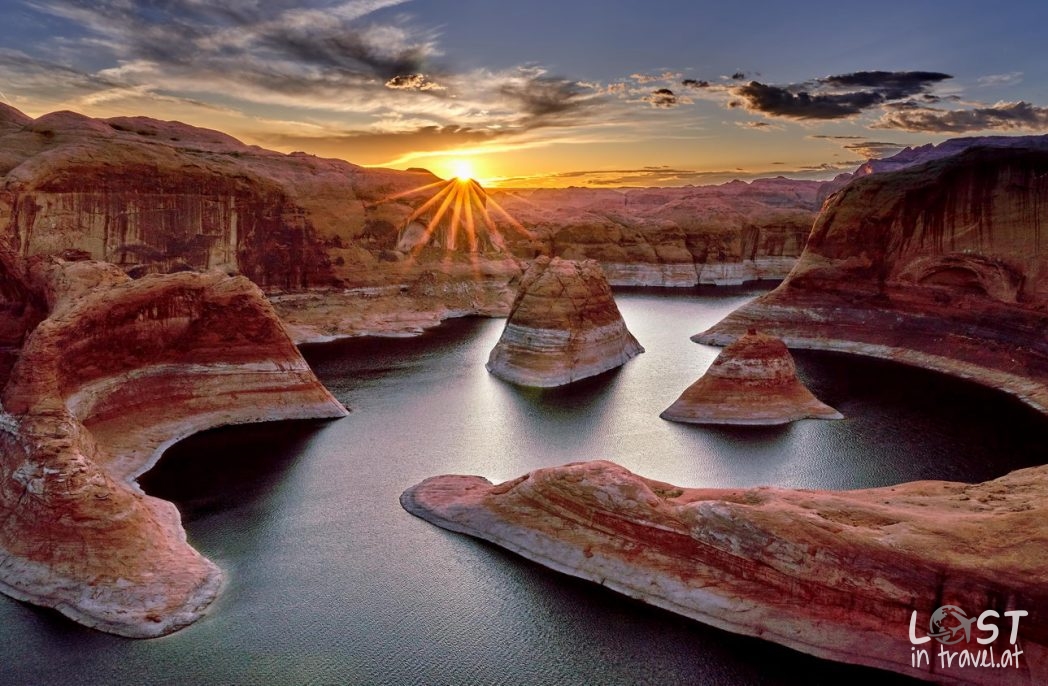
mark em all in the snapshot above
pixel 695 83
pixel 838 138
pixel 1013 116
pixel 738 76
pixel 547 99
pixel 274 47
pixel 776 101
pixel 416 82
pixel 891 85
pixel 662 98
pixel 833 97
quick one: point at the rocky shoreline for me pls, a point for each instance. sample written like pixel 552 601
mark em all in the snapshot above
pixel 114 372
pixel 832 574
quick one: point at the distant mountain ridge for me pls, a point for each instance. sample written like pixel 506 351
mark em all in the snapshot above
pixel 912 156
pixel 926 153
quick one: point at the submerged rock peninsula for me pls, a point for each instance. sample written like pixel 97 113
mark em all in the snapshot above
pixel 564 326
pixel 753 381
pixel 833 574
pixel 942 265
pixel 112 371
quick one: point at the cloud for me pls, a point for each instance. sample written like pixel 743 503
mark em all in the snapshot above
pixel 546 99
pixel 369 144
pixel 662 98
pixel 672 176
pixel 833 97
pixel 1002 116
pixel 862 146
pixel 258 52
pixel 738 76
pixel 333 68
pixel 1009 79
pixel 874 149
pixel 695 83
pixel 655 78
pixel 890 85
pixel 416 82
pixel 758 126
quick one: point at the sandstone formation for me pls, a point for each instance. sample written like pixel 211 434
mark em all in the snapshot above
pixel 112 371
pixel 419 298
pixel 753 381
pixel 836 575
pixel 942 265
pixel 158 197
pixel 564 326
pixel 154 196
pixel 723 235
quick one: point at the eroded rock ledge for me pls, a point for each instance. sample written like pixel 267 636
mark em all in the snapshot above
pixel 115 372
pixel 943 265
pixel 564 326
pixel 833 574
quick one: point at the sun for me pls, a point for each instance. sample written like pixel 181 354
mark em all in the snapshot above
pixel 463 169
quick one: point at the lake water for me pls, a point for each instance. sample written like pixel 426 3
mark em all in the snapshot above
pixel 329 581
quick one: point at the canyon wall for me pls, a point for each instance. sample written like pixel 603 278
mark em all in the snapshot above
pixel 114 372
pixel 942 265
pixel 723 235
pixel 158 197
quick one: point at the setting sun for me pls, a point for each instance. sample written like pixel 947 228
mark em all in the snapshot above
pixel 463 169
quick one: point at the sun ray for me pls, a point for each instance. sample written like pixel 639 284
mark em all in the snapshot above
pixel 429 203
pixel 412 191
pixel 457 215
pixel 449 196
pixel 509 218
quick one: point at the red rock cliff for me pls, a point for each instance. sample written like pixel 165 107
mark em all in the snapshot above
pixel 836 575
pixel 943 265
pixel 116 372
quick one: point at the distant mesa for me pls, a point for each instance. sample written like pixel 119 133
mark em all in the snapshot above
pixel 753 381
pixel 563 326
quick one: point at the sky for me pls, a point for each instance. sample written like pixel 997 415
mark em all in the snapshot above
pixel 547 92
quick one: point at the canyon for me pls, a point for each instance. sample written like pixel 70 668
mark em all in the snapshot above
pixel 111 371
pixel 323 236
pixel 156 277
pixel 942 265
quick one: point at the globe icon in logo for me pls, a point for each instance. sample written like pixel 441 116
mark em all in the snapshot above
pixel 949 625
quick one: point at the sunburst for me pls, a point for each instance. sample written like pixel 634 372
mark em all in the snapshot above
pixel 459 214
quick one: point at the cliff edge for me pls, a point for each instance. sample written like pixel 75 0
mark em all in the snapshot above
pixel 114 372
pixel 942 265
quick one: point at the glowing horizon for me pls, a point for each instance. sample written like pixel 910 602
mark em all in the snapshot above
pixel 699 98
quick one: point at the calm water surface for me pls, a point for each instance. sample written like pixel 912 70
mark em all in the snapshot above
pixel 329 581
